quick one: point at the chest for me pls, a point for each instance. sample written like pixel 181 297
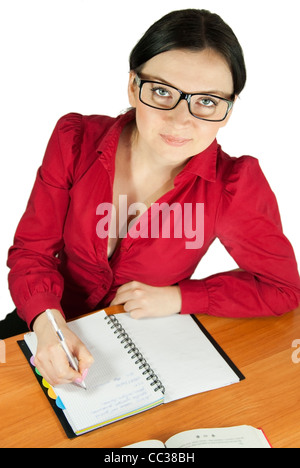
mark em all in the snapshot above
pixel 156 246
pixel 133 195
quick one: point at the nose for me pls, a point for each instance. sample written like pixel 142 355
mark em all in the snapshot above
pixel 181 114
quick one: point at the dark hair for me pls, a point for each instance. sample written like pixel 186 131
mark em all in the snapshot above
pixel 194 30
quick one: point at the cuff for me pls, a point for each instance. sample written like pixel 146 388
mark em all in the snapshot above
pixel 38 304
pixel 194 297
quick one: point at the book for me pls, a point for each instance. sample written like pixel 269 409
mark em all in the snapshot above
pixel 134 368
pixel 227 437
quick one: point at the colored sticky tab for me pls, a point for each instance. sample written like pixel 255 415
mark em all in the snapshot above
pixel 45 383
pixel 60 404
pixel 51 392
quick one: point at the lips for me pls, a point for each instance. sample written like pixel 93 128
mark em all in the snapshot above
pixel 174 140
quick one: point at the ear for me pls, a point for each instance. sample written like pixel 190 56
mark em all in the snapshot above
pixel 132 89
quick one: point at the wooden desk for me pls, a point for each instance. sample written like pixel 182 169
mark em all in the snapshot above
pixel 269 397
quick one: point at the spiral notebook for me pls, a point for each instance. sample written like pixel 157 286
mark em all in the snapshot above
pixel 134 367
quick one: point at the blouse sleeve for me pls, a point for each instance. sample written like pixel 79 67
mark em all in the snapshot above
pixel 34 280
pixel 248 225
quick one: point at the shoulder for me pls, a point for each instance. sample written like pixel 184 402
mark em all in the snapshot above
pixel 74 123
pixel 241 173
pixel 229 166
pixel 245 186
pixel 71 148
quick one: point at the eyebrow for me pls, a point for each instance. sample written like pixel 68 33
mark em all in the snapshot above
pixel 163 81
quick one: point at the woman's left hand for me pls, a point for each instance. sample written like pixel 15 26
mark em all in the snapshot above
pixel 142 300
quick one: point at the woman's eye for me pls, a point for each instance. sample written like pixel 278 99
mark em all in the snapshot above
pixel 207 102
pixel 161 92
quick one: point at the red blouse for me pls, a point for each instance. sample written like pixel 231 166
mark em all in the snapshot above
pixel 59 261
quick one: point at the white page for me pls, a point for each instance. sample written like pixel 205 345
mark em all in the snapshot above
pixel 180 354
pixel 229 437
pixel 151 443
pixel 115 386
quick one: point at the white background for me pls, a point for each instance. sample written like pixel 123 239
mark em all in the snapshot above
pixel 60 56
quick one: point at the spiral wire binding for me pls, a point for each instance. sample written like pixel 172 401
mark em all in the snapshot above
pixel 134 351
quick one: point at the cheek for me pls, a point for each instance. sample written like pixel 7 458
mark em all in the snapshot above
pixel 205 133
pixel 148 120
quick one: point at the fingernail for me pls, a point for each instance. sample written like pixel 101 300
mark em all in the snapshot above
pixel 79 380
pixel 84 373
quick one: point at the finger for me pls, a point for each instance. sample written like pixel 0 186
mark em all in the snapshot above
pixel 132 291
pixel 84 357
pixel 64 374
pixel 138 314
pixel 44 365
pixel 62 371
pixel 115 301
pixel 133 304
pixel 131 286
pixel 121 298
pixel 56 369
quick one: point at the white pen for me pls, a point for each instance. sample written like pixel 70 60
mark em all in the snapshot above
pixel 64 345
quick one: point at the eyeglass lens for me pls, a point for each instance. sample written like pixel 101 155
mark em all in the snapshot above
pixel 166 97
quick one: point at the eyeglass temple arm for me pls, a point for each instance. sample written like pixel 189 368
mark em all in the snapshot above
pixel 138 80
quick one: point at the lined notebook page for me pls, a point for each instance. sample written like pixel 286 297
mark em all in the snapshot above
pixel 182 357
pixel 115 386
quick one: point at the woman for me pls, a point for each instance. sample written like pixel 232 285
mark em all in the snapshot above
pixel 80 246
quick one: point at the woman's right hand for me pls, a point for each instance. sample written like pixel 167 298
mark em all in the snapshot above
pixel 51 360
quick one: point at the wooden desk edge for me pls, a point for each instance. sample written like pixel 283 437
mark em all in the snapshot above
pixel 112 310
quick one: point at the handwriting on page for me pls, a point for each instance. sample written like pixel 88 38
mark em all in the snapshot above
pixel 116 404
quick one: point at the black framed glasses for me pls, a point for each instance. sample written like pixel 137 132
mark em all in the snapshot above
pixel 201 105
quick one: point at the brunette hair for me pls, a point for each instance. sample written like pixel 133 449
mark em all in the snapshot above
pixel 194 30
